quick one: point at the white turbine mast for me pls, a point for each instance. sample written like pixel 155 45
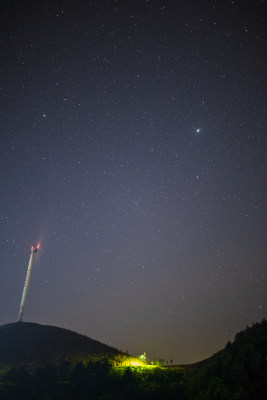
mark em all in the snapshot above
pixel 27 282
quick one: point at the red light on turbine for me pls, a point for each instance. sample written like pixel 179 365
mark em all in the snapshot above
pixel 34 249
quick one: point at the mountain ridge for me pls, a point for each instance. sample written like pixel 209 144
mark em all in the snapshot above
pixel 29 342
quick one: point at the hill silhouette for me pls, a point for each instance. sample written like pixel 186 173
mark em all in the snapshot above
pixel 27 342
pixel 239 371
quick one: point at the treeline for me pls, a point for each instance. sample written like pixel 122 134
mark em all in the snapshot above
pixel 99 380
pixel 239 372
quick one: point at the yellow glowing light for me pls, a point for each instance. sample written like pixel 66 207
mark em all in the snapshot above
pixel 136 364
pixel 132 362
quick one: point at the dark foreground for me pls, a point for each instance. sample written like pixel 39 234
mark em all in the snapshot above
pixel 95 381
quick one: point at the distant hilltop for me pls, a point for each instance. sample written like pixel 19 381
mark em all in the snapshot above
pixel 27 342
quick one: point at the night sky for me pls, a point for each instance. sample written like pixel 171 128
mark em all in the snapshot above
pixel 133 146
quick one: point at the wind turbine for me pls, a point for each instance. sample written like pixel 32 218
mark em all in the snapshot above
pixel 27 282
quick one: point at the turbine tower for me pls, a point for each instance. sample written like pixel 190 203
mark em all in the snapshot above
pixel 27 282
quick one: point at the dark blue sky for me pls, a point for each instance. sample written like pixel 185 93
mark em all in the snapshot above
pixel 133 147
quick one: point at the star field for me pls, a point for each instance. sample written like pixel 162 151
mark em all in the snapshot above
pixel 133 147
